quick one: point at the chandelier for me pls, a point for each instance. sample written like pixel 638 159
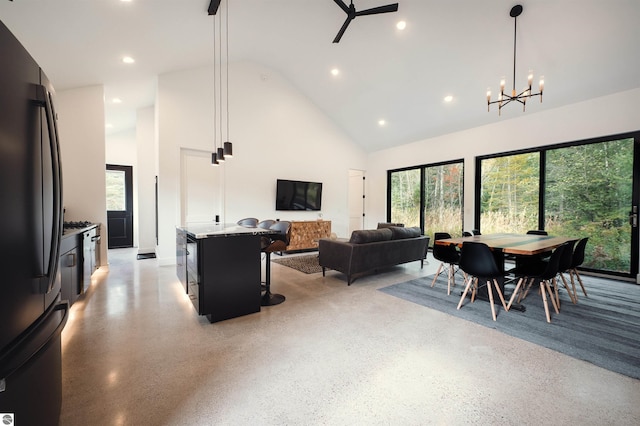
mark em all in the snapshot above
pixel 223 150
pixel 526 94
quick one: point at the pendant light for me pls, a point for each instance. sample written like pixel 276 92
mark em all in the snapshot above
pixel 214 154
pixel 220 88
pixel 228 146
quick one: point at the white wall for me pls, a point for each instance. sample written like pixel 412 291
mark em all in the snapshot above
pixel 120 148
pixel 145 209
pixel 82 143
pixel 276 133
pixel 609 115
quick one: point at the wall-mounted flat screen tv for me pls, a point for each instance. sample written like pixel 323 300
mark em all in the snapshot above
pixel 298 195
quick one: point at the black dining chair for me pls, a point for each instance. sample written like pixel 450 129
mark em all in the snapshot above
pixel 577 260
pixel 545 273
pixel 449 258
pixel 519 260
pixel 276 242
pixel 478 262
pixel 563 267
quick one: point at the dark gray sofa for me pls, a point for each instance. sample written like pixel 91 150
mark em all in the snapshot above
pixel 371 250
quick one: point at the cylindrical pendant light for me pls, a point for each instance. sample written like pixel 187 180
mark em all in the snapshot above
pixel 220 155
pixel 214 159
pixel 228 149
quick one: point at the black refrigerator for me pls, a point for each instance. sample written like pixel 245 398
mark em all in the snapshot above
pixel 32 315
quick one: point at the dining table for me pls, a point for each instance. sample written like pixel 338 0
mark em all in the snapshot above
pixel 519 244
pixel 502 244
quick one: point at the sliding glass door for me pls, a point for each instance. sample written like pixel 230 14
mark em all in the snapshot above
pixel 429 196
pixel 588 193
pixel 586 189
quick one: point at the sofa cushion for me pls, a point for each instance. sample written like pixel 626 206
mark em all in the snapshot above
pixel 388 224
pixel 370 235
pixel 398 233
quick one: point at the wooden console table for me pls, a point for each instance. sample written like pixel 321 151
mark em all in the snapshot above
pixel 305 234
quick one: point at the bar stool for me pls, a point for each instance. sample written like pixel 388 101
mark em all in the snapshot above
pixel 276 242
pixel 249 222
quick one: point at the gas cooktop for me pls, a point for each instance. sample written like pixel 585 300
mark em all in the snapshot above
pixel 77 224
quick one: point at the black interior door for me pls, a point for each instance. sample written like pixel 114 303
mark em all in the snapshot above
pixel 119 206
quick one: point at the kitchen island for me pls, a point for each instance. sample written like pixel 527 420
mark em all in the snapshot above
pixel 219 267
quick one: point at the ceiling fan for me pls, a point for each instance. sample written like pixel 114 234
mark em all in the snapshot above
pixel 352 13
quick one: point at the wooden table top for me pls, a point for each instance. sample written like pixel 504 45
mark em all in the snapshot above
pixel 523 244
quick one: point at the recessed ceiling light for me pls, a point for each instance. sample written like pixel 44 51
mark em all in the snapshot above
pixel 382 123
pixel 401 25
pixel 448 98
pixel 116 100
pixel 128 60
pixel 335 72
pixel 109 126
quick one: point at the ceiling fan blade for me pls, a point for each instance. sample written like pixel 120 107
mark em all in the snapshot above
pixel 380 9
pixel 343 29
pixel 213 7
pixel 342 5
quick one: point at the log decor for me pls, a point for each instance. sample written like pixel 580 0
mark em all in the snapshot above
pixel 305 234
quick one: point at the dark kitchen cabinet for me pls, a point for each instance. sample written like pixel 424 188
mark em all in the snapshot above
pixel 181 258
pixel 78 261
pixel 90 254
pixel 69 267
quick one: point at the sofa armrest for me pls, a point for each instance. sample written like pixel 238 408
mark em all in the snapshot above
pixel 335 254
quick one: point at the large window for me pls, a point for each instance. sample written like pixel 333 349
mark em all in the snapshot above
pixel 429 196
pixel 405 197
pixel 509 193
pixel 443 199
pixel 574 190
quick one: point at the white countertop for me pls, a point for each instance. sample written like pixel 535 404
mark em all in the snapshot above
pixel 212 229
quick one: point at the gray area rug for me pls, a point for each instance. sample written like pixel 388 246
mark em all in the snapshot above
pixel 603 329
pixel 303 263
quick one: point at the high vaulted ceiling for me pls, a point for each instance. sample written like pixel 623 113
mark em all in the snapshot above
pixel 584 49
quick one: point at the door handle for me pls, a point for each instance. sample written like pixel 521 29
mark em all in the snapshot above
pixel 633 217
pixel 44 99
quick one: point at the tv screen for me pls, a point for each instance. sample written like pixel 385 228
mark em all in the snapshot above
pixel 298 195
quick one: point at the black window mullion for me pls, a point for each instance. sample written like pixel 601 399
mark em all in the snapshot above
pixel 423 173
pixel 542 189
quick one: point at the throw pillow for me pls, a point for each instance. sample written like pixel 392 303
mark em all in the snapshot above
pixel 370 235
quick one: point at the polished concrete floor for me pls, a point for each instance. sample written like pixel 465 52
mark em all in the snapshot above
pixel 136 353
